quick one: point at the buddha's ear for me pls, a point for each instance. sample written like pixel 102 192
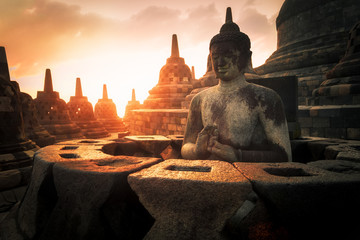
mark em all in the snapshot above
pixel 249 67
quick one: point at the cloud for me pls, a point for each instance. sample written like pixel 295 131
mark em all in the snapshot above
pixel 38 34
pixel 41 32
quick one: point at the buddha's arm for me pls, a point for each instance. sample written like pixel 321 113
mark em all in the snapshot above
pixel 190 148
pixel 273 120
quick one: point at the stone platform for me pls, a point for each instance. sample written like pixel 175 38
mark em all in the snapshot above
pixel 79 192
pixel 88 189
pixel 330 121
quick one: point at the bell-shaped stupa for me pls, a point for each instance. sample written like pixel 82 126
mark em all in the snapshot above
pixel 16 150
pixel 175 82
pixel 53 113
pixel 105 112
pixel 33 129
pixel 81 112
pixel 133 104
pixel 342 84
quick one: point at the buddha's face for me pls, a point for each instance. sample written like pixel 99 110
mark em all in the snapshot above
pixel 225 58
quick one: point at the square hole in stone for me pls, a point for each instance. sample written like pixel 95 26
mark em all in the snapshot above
pixel 69 155
pixel 69 148
pixel 88 141
pixel 189 168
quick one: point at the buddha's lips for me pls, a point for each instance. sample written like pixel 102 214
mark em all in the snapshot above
pixel 222 70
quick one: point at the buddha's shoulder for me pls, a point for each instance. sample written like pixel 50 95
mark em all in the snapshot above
pixel 258 91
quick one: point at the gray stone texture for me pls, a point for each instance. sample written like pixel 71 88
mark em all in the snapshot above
pixel 79 192
pixel 309 202
pixel 190 199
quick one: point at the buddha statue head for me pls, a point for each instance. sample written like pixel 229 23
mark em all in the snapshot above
pixel 230 50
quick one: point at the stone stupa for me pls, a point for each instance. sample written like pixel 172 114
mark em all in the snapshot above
pixel 336 102
pixel 53 113
pixel 133 104
pixel 175 82
pixel 33 129
pixel 81 112
pixel 16 151
pixel 105 112
pixel 311 39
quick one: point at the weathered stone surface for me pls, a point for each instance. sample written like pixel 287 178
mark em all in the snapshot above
pixel 14 178
pixel 190 199
pixel 349 152
pixel 309 201
pixel 330 121
pixel 235 120
pixel 9 198
pixel 79 192
pixel 339 166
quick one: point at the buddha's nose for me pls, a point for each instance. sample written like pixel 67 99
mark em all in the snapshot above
pixel 221 61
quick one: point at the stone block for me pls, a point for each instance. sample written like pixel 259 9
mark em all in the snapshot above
pixel 305 122
pixel 310 202
pixel 338 166
pixel 321 122
pixel 14 178
pixel 9 197
pixel 190 199
pixel 305 131
pixel 353 133
pixel 79 192
pixel 335 132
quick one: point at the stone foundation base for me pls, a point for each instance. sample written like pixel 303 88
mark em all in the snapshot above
pixel 330 121
pixel 157 121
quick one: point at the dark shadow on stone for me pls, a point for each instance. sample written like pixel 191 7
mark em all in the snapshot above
pixel 47 199
pixel 122 147
pixel 123 216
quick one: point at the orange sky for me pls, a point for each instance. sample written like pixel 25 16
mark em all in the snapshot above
pixel 120 43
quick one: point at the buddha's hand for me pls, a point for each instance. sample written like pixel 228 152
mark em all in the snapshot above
pixel 224 152
pixel 202 141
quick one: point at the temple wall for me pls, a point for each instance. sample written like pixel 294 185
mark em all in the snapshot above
pixel 157 121
pixel 330 121
pixel 312 38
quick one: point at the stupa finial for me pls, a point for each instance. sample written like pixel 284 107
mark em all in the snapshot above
pixel 228 17
pixel 133 97
pixel 78 89
pixel 105 94
pixel 4 68
pixel 48 85
pixel 174 47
